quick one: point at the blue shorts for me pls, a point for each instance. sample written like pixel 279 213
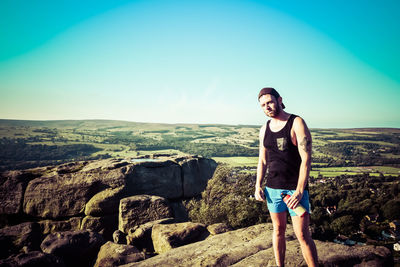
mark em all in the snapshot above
pixel 275 202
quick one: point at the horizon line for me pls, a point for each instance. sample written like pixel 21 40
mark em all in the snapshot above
pixel 186 123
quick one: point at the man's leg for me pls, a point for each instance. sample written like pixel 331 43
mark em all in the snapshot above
pixel 278 236
pixel 301 229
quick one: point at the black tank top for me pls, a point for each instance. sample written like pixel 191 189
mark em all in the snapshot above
pixel 283 162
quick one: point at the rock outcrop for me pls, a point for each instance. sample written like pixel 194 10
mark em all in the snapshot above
pixel 82 196
pixel 252 246
pixel 95 188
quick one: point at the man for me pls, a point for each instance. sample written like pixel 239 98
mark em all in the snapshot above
pixel 285 155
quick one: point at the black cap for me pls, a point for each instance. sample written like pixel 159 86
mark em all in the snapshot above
pixel 269 91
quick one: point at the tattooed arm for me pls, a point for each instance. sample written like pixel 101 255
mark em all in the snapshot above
pixel 303 138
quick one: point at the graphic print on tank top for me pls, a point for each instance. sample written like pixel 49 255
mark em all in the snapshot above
pixel 281 143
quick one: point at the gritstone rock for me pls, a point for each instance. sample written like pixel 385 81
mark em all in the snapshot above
pixel 77 248
pixel 137 210
pixel 33 259
pixel 112 254
pixel 168 236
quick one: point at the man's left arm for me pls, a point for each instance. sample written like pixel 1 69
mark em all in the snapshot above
pixel 304 142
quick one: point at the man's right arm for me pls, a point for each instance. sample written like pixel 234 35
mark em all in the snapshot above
pixel 261 167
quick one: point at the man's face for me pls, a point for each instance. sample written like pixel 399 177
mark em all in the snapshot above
pixel 270 105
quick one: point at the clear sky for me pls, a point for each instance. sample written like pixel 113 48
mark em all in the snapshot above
pixel 335 63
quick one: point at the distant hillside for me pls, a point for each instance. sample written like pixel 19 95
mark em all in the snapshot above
pixel 67 123
pixel 35 143
pixel 100 123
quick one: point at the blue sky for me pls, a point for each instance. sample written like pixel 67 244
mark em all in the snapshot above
pixel 337 63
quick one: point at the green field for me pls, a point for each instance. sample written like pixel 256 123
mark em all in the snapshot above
pixel 372 170
pixel 238 161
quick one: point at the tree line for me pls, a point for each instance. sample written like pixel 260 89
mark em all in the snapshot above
pixel 17 153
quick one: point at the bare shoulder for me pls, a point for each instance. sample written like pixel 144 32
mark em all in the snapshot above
pixel 298 121
pixel 299 124
pixel 262 131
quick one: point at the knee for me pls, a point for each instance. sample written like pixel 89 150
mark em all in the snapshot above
pixel 303 236
pixel 279 230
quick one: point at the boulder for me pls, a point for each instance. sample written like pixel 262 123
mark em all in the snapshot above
pixel 140 236
pixel 21 237
pixel 104 225
pixel 137 210
pixel 65 194
pixel 50 226
pixel 12 189
pixel 119 237
pixel 112 254
pixel 31 259
pixel 218 228
pixel 77 248
pixel 105 202
pixel 168 236
pixel 196 173
pixel 160 178
pixel 52 197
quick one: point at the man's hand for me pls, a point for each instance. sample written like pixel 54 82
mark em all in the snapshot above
pixel 259 194
pixel 294 200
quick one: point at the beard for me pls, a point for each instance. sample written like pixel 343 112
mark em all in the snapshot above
pixel 275 112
